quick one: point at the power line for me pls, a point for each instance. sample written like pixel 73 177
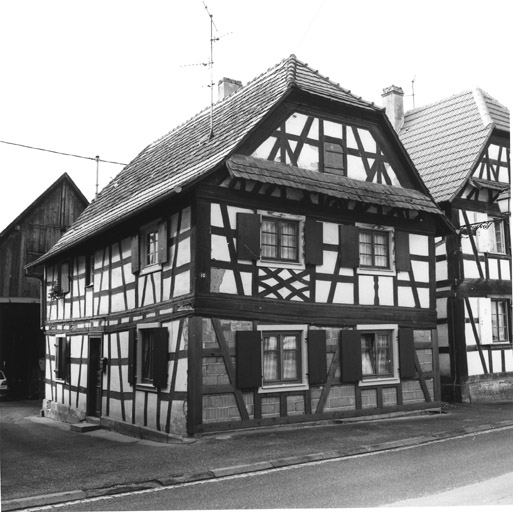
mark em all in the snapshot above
pixel 95 158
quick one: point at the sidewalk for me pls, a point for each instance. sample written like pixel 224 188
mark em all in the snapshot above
pixel 53 464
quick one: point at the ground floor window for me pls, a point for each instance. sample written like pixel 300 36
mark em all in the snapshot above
pixel 281 357
pixel 377 354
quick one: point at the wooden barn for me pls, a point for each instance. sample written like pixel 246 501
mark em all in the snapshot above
pixel 269 261
pixel 461 147
pixel 25 239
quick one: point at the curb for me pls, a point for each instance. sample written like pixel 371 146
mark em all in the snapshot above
pixel 52 499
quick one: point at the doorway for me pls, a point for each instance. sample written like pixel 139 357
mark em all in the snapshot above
pixel 94 378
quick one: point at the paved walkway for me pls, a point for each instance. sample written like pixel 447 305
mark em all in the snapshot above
pixel 45 462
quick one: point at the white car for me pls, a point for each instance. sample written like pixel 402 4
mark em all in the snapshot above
pixel 3 384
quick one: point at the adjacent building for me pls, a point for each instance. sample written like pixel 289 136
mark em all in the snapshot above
pixel 461 147
pixel 24 240
pixel 270 261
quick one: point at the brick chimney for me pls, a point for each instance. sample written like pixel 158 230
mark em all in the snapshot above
pixel 226 87
pixel 393 103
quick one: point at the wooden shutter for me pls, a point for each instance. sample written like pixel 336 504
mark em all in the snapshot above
pixel 248 236
pixel 135 254
pixel 349 246
pixel 162 241
pixel 313 242
pixel 317 369
pixel 59 358
pixel 131 356
pixel 351 356
pixel 64 272
pixel 67 359
pixel 160 355
pixel 406 354
pixel 249 359
pixel 402 251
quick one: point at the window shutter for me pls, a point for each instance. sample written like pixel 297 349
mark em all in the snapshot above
pixel 248 236
pixel 406 354
pixel 313 242
pixel 131 356
pixel 249 359
pixel 351 356
pixel 162 240
pixel 64 277
pixel 160 355
pixel 402 251
pixel 59 358
pixel 349 246
pixel 67 360
pixel 135 254
pixel 317 369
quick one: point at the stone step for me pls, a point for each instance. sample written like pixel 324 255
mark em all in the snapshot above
pixel 84 427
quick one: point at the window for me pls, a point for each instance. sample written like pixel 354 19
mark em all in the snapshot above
pixel 377 354
pixel 148 356
pixel 150 247
pixel 280 239
pixel 281 357
pixel 374 248
pixel 372 353
pixel 500 331
pixel 497 239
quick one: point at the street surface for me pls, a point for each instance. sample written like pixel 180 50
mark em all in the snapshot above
pixel 448 472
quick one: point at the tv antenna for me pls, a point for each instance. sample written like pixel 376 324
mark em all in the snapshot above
pixel 211 67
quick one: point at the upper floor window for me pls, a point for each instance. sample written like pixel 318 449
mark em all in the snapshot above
pixel 280 239
pixel 150 247
pixel 89 270
pixel 500 328
pixel 497 238
pixel 374 248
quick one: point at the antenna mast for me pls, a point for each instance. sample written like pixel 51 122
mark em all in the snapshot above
pixel 413 90
pixel 211 66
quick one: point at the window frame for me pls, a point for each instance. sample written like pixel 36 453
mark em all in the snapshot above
pixel 299 384
pixel 373 244
pixel 495 326
pixel 389 231
pixel 89 270
pixel 140 380
pixel 280 222
pixel 392 331
pixel 145 231
pixel 498 223
pixel 300 221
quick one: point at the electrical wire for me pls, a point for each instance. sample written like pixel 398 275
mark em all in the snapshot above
pixel 95 158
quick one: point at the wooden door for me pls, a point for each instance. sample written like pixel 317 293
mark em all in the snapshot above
pixel 94 378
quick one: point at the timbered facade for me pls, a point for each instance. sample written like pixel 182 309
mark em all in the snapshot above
pixel 273 263
pixel 464 159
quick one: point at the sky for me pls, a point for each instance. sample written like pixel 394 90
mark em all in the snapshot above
pixel 108 77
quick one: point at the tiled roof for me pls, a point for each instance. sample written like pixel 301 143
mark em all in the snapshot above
pixel 445 139
pixel 267 171
pixel 188 152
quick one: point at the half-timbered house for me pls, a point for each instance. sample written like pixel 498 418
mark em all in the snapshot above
pixel 461 147
pixel 30 235
pixel 269 261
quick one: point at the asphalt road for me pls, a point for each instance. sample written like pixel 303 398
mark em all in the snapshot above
pixel 428 474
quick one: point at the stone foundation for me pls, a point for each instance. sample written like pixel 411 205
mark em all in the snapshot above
pixel 494 387
pixel 61 412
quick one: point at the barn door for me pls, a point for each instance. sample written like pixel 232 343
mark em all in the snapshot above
pixel 94 378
